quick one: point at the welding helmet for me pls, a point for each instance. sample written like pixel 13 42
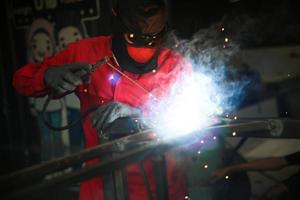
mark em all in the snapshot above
pixel 141 27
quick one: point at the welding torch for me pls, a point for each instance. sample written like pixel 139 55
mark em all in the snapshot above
pixel 84 77
pixel 98 63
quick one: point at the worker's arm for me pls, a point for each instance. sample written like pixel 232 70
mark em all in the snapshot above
pixel 39 79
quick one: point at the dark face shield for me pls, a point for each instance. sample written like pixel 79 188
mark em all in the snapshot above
pixel 143 22
pixel 139 24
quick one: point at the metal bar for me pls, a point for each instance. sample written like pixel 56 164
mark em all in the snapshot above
pixel 160 177
pixel 39 171
pixel 86 173
pixel 275 128
pixel 240 144
pixel 120 177
pixel 108 182
pixel 148 145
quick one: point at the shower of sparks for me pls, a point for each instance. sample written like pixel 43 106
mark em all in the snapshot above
pixel 198 99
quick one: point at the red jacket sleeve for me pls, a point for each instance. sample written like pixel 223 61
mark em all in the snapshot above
pixel 29 79
pixel 178 70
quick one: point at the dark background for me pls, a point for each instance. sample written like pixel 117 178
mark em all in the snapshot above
pixel 253 23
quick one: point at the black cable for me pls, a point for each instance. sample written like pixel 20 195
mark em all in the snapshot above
pixel 68 126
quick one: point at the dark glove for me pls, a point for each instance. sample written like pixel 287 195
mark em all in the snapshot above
pixel 108 113
pixel 62 79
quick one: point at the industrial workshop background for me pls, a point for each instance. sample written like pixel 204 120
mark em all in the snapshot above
pixel 268 33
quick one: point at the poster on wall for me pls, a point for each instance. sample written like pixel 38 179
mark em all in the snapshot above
pixel 26 11
pixel 47 27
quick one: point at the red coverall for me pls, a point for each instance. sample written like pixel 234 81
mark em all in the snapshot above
pixel 29 81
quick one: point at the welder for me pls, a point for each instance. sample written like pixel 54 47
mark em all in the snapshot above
pixel 138 64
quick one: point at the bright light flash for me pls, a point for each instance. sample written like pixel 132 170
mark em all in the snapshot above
pixel 190 106
pixel 111 77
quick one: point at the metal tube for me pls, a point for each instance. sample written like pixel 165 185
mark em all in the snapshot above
pixel 131 149
pixel 39 171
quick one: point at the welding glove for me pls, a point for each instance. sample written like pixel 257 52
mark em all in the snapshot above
pixel 108 113
pixel 64 79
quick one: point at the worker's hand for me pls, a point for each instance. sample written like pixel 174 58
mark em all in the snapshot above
pixel 62 79
pixel 108 113
pixel 219 174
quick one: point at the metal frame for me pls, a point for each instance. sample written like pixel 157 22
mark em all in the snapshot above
pixel 130 149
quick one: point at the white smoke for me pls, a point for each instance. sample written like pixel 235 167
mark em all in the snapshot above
pixel 198 99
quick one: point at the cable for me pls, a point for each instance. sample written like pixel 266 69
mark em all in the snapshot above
pixel 72 124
